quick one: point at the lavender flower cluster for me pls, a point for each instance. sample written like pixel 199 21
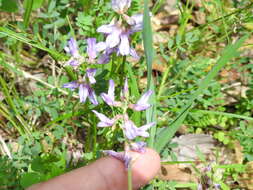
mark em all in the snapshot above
pixel 117 40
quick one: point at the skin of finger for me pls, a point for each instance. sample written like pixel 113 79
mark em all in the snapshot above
pixel 106 174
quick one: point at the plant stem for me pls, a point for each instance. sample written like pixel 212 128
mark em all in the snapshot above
pixel 129 177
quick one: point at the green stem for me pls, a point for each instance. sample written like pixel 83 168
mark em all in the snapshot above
pixel 129 177
pixel 122 70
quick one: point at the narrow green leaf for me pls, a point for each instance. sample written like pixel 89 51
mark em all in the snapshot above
pixel 136 117
pixel 148 41
pixel 231 115
pixel 166 134
pixel 148 49
pixel 28 5
pixel 22 38
pixel 9 6
pixel 151 116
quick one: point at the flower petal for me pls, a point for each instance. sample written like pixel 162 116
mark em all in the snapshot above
pixel 91 48
pixel 124 157
pixel 130 130
pixel 92 96
pixel 103 59
pixel 71 85
pixel 104 121
pixel 120 6
pixel 111 89
pixel 134 54
pixel 107 99
pixel 100 46
pixel 142 103
pixel 138 146
pixel 142 131
pixel 73 62
pixel 83 92
pixel 112 40
pixel 106 29
pixel 90 74
pixel 124 47
pixel 73 48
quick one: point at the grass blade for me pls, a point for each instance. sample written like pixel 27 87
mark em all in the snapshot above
pixel 136 117
pixel 230 115
pixel 148 49
pixel 148 41
pixel 22 38
pixel 28 4
pixel 166 134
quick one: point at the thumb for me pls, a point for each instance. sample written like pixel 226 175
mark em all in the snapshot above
pixel 106 174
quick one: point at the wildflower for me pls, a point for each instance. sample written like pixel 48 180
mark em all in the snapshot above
pixel 104 121
pixel 120 6
pixel 109 98
pixel 105 57
pixel 136 23
pixel 142 103
pixel 138 146
pixel 93 48
pixel 199 187
pixel 131 131
pixel 72 48
pixel 217 186
pixel 113 32
pixel 85 89
pixel 122 156
pixel 118 38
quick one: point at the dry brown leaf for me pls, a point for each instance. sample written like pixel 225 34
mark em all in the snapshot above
pixel 229 75
pixel 176 172
pixel 238 152
pixel 188 144
pixel 200 17
pixel 247 177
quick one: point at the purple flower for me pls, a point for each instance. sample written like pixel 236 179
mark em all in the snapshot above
pixel 109 98
pixel 120 6
pixel 104 121
pixel 131 131
pixel 91 49
pixel 122 156
pixel 100 46
pixel 217 186
pixel 199 187
pixel 113 32
pixel 137 23
pixel 71 85
pixel 105 57
pixel 85 89
pixel 117 39
pixel 138 146
pixel 72 48
pixel 90 73
pixel 116 36
pixel 142 103
pixel 124 47
pixel 134 54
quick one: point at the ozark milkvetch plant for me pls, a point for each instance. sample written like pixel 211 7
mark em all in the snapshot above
pixel 117 41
